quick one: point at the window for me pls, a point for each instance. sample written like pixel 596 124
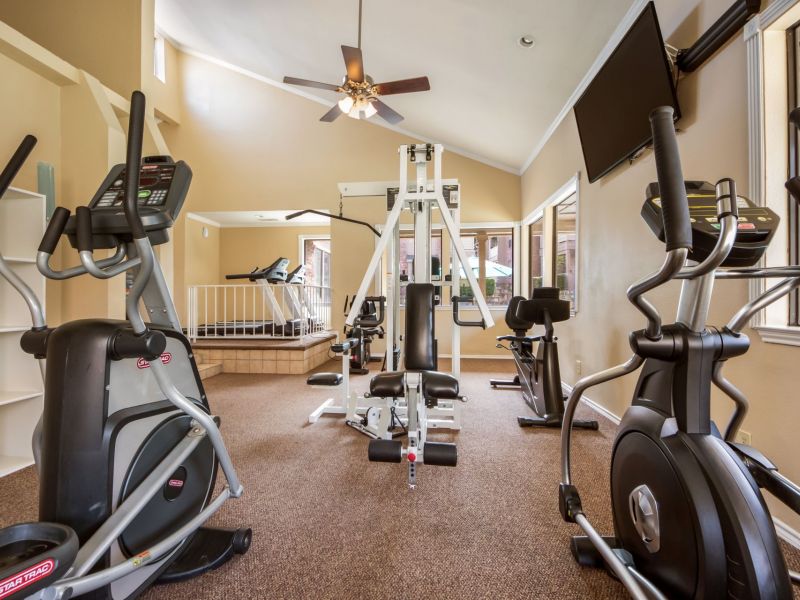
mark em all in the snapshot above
pixel 566 242
pixel 552 238
pixel 773 83
pixel 536 258
pixel 317 260
pixel 490 253
pixel 405 259
pixel 159 59
pixel 793 87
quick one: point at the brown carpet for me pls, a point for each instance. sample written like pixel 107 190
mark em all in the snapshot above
pixel 329 524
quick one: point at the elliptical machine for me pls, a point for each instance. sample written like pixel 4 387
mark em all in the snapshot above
pixel 126 448
pixel 538 376
pixel 689 518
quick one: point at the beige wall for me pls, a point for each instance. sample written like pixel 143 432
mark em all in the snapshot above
pixel 95 35
pixel 34 107
pixel 252 146
pixel 616 247
pixel 203 264
pixel 244 248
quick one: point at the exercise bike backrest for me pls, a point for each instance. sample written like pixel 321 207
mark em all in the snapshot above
pixel 544 308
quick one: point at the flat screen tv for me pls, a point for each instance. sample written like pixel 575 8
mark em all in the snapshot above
pixel 612 113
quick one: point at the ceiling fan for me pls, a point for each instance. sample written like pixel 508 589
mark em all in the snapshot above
pixel 361 92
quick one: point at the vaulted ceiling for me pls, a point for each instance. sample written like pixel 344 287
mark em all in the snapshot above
pixel 490 97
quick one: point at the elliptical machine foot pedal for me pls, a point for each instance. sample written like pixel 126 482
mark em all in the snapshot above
pixel 586 554
pixel 34 556
pixel 440 454
pixel 385 451
pixel 207 550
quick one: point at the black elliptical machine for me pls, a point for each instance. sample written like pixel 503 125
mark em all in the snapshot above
pixel 689 517
pixel 126 449
pixel 538 375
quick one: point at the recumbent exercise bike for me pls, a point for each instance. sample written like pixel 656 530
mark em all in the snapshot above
pixel 538 375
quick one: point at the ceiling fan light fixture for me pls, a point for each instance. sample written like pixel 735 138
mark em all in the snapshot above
pixel 361 109
pixel 346 104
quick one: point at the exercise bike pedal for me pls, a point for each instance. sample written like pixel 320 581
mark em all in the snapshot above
pixel 207 550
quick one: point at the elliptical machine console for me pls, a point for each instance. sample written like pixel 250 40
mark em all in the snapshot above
pixel 127 449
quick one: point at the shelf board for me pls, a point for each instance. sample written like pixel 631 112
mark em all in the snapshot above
pixel 10 397
pixel 9 464
pixel 20 260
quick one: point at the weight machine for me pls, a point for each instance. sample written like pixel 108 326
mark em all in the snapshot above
pixel 421 197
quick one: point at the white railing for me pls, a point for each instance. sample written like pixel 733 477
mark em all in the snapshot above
pixel 260 310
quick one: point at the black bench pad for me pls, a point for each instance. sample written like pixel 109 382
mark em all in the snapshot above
pixel 329 379
pixel 439 386
pixel 388 385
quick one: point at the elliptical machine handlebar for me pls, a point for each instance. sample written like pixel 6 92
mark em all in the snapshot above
pixel 133 162
pixel 15 163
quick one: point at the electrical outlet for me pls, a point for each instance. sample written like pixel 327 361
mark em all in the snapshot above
pixel 578 367
pixel 744 437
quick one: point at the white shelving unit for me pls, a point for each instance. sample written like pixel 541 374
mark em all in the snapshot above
pixel 22 222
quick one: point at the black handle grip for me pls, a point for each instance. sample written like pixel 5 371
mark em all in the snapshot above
pixel 83 218
pixel 127 344
pixel 674 205
pixel 54 230
pixel 378 320
pixel 456 300
pixel 793 185
pixel 133 163
pixel 16 162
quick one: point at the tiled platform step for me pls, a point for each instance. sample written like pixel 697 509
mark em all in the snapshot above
pixel 208 370
pixel 266 356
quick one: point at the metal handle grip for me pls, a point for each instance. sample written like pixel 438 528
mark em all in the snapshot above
pixel 458 299
pixel 674 205
pixel 15 164
pixel 132 164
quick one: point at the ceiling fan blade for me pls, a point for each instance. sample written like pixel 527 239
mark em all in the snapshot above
pixel 386 113
pixel 417 84
pixel 309 83
pixel 332 114
pixel 354 63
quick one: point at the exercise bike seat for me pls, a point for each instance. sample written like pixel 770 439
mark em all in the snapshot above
pixel 326 379
pixel 439 386
pixel 388 385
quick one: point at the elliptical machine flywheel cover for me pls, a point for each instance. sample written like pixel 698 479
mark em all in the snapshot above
pixel 185 493
pixel 664 477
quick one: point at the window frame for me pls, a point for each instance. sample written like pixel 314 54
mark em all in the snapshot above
pixel 301 243
pixel 546 211
pixel 769 150
pixel 159 58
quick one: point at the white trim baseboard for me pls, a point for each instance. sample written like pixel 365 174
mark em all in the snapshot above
pixel 480 356
pixel 598 408
pixel 787 533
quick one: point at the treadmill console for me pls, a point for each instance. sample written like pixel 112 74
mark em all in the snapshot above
pixel 757 224
pixel 163 185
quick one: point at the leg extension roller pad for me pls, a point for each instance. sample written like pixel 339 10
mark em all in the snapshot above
pixel 385 451
pixel 441 454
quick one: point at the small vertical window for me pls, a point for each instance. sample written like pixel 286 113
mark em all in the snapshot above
pixel 536 230
pixel 565 251
pixel 159 59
